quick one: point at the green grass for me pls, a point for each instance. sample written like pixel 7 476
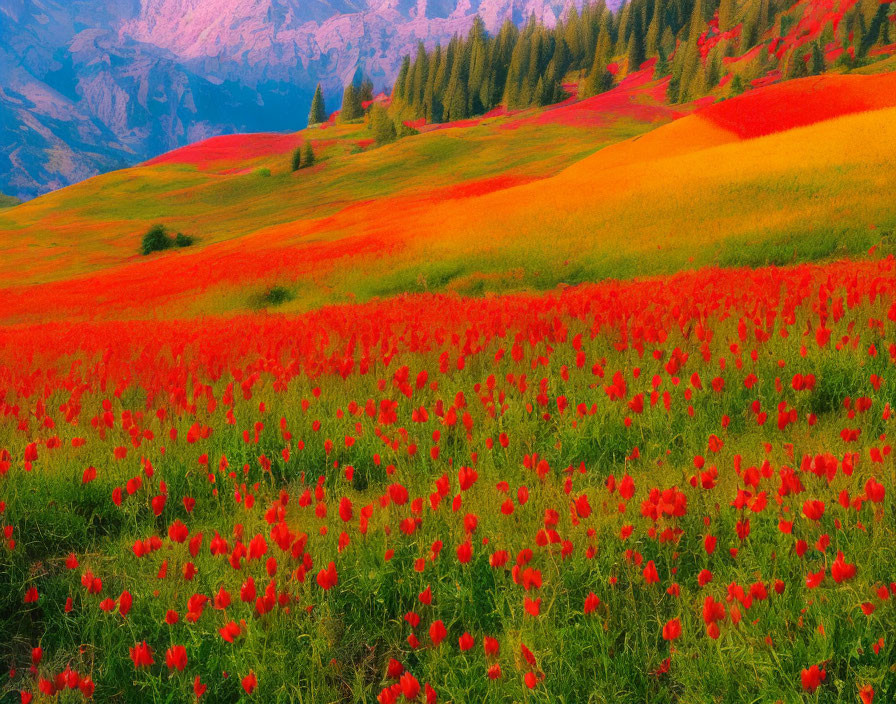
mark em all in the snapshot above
pixel 8 201
pixel 102 212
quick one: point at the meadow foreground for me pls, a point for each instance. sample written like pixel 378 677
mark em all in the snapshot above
pixel 622 492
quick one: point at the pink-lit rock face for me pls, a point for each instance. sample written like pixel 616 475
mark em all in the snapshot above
pixel 343 33
pixel 87 85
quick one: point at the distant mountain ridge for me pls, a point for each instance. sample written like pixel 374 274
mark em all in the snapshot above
pixel 91 85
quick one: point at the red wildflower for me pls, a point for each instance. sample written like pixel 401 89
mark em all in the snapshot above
pixel 141 654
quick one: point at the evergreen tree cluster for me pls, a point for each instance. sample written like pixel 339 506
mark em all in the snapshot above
pixel 356 93
pixel 384 127
pixel 303 157
pixel 524 67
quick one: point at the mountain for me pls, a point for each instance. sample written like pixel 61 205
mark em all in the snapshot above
pixel 91 85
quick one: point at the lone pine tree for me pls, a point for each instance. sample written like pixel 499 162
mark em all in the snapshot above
pixel 318 112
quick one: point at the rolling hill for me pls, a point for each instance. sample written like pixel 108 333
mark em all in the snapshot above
pixel 608 187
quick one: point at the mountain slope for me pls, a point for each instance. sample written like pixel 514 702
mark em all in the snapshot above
pixel 524 209
pixel 88 85
pixel 214 190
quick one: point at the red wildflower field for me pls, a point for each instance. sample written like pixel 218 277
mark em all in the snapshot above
pixel 638 96
pixel 802 102
pixel 230 148
pixel 644 486
pixel 342 415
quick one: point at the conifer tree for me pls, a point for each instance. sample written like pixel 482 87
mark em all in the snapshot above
pixel 818 65
pixel 622 30
pixel 432 110
pixel 485 89
pixel 456 99
pixel 635 48
pixel 532 72
pixel 477 75
pixel 712 72
pixel 857 30
pixel 726 15
pixel 442 78
pixel 504 46
pixel 667 42
pixel 599 80
pixel 763 15
pixel 408 88
pixel 421 72
pixel 662 63
pixel 604 49
pixel 698 83
pixel 351 104
pixel 698 22
pixel 308 157
pixel 365 92
pixel 878 31
pixel 516 75
pixel 684 71
pixel 560 62
pixel 381 125
pixel 751 29
pixel 541 93
pixel 652 40
pixel 398 94
pixel 318 112
pixel 297 159
pixel 573 36
pixel 796 66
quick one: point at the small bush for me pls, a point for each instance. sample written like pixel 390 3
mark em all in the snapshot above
pixel 385 129
pixel 156 240
pixel 182 240
pixel 402 130
pixel 277 295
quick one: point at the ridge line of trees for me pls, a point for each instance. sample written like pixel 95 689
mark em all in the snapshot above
pixel 523 67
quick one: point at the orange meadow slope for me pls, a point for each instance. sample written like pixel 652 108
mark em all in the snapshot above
pixel 659 184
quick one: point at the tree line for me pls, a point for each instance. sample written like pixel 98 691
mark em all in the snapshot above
pixel 522 67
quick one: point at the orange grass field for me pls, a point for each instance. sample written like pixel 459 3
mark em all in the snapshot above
pixel 695 191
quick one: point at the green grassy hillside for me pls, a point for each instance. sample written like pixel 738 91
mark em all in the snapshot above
pixel 610 187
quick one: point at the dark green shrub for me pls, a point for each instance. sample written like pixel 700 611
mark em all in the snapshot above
pixel 182 240
pixel 156 240
pixel 277 295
